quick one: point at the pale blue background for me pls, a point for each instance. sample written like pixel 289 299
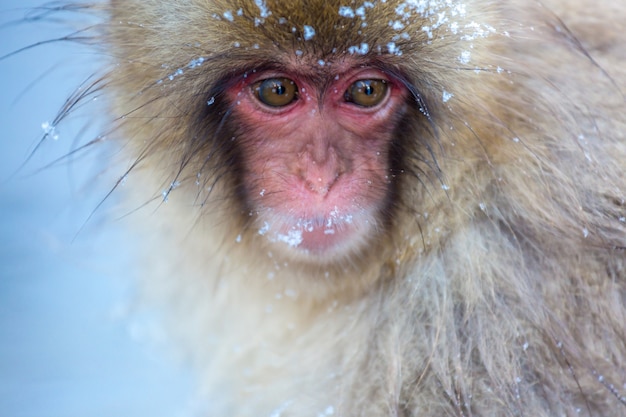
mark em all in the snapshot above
pixel 67 345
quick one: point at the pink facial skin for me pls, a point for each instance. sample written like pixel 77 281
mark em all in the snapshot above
pixel 317 170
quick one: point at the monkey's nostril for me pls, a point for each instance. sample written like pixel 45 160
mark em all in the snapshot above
pixel 319 186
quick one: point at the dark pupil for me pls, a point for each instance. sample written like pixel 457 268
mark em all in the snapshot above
pixel 279 89
pixel 368 89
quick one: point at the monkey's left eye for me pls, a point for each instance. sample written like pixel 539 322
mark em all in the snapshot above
pixel 276 92
pixel 367 93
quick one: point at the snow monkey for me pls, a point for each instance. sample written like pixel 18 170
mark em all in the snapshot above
pixel 379 208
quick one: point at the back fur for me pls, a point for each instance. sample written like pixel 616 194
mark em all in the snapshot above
pixel 499 288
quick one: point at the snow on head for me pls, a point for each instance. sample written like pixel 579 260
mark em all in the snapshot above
pixel 440 15
pixel 413 18
pixel 350 13
pixel 346 11
pixel 309 32
pixel 228 15
pixel 359 49
pixel 265 12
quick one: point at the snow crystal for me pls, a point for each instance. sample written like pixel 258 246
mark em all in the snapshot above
pixel 360 12
pixel 444 14
pixel 293 238
pixel 465 57
pixel 173 75
pixel 346 11
pixel 263 8
pixel 431 9
pixel 476 30
pixel 360 50
pixel 393 49
pixel 49 130
pixel 396 25
pixel 228 15
pixel 263 230
pixel 309 32
pixel 428 31
pixel 195 63
pixel 447 96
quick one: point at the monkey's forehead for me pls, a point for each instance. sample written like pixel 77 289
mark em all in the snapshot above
pixel 321 29
pixel 324 28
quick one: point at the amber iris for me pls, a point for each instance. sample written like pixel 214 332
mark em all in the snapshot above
pixel 367 93
pixel 276 92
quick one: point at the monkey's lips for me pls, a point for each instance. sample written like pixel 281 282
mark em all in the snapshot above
pixel 329 235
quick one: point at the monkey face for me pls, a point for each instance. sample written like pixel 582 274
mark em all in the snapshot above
pixel 316 152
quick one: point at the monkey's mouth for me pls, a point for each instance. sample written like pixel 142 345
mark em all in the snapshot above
pixel 329 235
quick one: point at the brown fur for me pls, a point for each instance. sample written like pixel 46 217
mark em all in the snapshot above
pixel 498 285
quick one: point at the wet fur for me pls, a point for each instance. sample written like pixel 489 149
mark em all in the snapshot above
pixel 497 286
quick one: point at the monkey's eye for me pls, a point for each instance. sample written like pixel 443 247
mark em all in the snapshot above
pixel 276 92
pixel 367 93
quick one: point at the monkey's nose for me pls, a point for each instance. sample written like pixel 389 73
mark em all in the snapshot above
pixel 321 185
pixel 320 176
pixel 319 170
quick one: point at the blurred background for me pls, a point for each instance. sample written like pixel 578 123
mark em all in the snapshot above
pixel 71 343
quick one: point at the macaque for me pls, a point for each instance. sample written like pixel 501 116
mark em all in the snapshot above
pixel 379 208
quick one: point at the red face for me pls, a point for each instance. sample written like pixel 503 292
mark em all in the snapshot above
pixel 317 155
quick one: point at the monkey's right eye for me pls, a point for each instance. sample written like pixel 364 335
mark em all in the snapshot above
pixel 367 93
pixel 276 92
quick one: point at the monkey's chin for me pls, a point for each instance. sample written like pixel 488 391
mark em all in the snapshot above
pixel 325 238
